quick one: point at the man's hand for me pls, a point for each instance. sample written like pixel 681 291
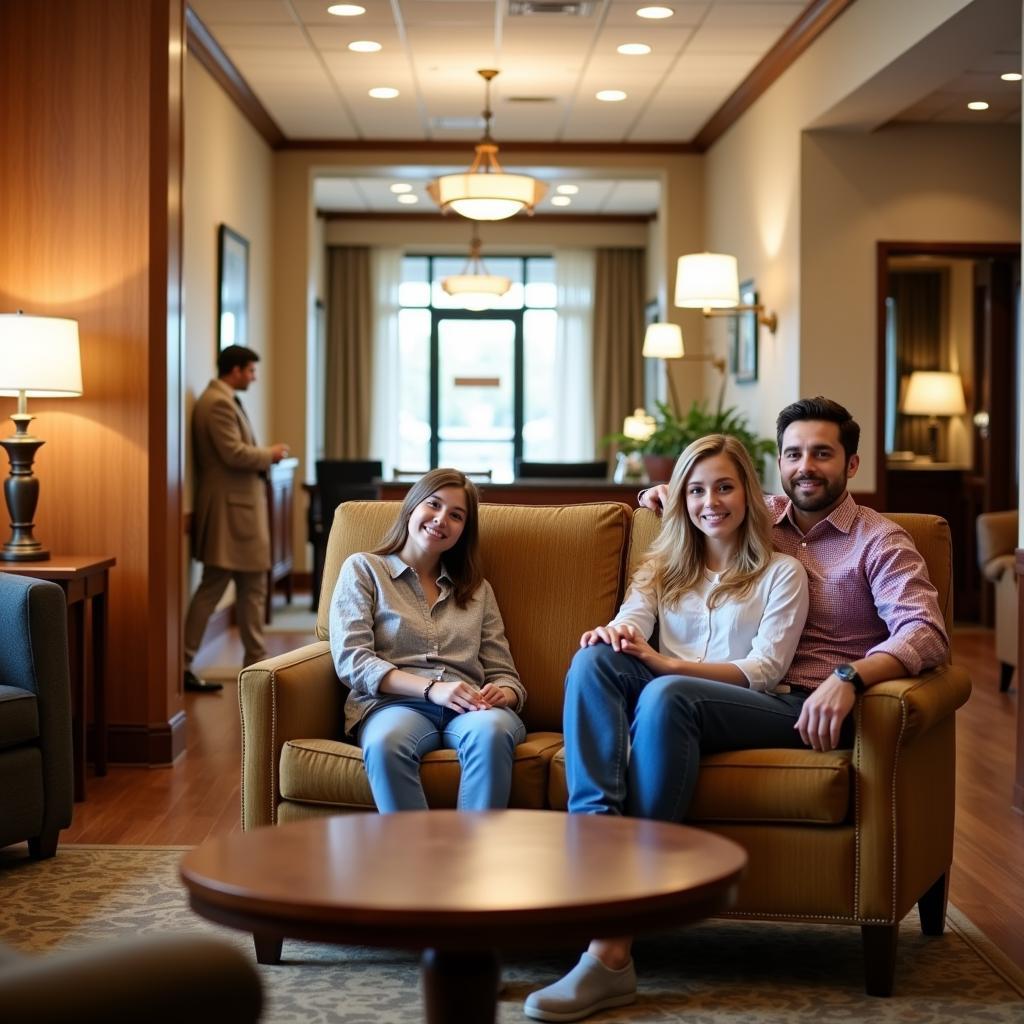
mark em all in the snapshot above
pixel 822 716
pixel 613 635
pixel 655 498
pixel 278 452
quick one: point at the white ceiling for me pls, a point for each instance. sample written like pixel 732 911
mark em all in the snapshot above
pixel 295 57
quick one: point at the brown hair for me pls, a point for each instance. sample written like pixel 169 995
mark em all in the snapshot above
pixel 676 561
pixel 462 561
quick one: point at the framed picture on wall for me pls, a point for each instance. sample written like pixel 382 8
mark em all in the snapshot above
pixel 232 288
pixel 743 340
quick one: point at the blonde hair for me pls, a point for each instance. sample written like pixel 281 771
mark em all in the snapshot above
pixel 677 558
pixel 462 561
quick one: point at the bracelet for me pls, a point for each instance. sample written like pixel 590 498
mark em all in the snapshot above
pixel 428 688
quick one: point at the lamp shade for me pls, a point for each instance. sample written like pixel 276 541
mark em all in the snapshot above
pixel 663 341
pixel 707 280
pixel 40 356
pixel 639 426
pixel 932 393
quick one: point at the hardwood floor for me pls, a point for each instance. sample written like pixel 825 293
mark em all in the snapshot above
pixel 199 795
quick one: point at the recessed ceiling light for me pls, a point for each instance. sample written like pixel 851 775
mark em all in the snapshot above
pixel 408 198
pixel 400 187
pixel 977 105
pixel 384 92
pixel 346 10
pixel 568 190
pixel 611 95
pixel 560 200
pixel 365 46
pixel 633 49
pixel 655 12
pixel 1011 76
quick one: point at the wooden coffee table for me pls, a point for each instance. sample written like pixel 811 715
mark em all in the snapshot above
pixel 460 886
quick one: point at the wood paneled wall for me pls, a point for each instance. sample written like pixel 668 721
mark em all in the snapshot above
pixel 90 228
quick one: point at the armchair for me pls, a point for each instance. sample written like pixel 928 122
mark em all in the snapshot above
pixel 35 715
pixel 997 541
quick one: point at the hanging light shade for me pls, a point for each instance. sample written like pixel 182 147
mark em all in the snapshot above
pixel 485 191
pixel 474 288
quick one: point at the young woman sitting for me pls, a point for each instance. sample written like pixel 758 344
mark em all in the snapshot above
pixel 417 636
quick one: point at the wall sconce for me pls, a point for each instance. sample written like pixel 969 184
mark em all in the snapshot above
pixel 39 356
pixel 933 394
pixel 665 341
pixel 709 281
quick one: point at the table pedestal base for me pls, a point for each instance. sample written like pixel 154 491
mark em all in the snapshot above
pixel 460 985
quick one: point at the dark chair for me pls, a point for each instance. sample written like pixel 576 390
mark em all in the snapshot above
pixel 35 715
pixel 596 470
pixel 337 480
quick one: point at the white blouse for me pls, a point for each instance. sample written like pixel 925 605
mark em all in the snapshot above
pixel 758 633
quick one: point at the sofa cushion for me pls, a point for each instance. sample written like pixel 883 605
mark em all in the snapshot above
pixel 331 772
pixel 556 572
pixel 19 717
pixel 791 786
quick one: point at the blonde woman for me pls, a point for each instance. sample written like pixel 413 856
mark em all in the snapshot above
pixel 729 612
pixel 417 635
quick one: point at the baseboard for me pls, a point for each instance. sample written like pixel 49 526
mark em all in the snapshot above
pixel 158 744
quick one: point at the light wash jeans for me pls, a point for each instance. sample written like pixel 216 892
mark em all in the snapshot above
pixel 395 737
pixel 633 741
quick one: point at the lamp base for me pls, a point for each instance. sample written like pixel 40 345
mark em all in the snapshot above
pixel 21 491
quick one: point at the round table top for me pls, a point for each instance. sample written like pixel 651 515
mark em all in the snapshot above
pixel 435 878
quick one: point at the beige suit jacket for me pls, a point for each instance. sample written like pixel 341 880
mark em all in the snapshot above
pixel 231 526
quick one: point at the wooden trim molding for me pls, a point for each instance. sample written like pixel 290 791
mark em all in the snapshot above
pixel 1018 781
pixel 158 744
pixel 466 146
pixel 199 41
pixel 816 17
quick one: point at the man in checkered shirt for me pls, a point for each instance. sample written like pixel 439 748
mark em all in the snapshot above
pixel 874 614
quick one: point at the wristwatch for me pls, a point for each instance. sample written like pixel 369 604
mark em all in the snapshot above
pixel 849 675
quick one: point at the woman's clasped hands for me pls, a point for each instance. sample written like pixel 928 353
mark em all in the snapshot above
pixel 462 697
pixel 626 639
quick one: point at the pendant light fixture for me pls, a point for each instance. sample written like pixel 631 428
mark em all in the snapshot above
pixel 485 191
pixel 474 288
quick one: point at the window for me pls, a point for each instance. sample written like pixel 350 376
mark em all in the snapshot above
pixel 476 389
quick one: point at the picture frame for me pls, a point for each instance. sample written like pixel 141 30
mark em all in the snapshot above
pixel 232 288
pixel 744 337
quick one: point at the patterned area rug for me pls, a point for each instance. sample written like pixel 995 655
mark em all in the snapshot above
pixel 719 972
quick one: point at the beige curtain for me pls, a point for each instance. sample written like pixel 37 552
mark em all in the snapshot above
pixel 618 338
pixel 349 353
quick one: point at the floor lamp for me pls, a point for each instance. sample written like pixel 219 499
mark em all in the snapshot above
pixel 39 356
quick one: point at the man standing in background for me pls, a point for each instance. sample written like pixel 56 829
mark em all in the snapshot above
pixel 230 523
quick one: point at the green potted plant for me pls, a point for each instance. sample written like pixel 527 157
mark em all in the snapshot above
pixel 673 433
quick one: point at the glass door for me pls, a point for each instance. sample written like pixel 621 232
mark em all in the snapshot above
pixel 476 392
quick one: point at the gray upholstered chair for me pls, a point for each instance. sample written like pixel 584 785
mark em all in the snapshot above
pixel 997 541
pixel 162 979
pixel 35 715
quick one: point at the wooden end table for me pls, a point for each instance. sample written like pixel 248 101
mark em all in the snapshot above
pixel 83 578
pixel 460 886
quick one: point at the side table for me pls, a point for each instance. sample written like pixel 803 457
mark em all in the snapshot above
pixel 83 578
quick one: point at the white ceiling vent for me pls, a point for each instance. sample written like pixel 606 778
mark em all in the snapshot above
pixel 571 8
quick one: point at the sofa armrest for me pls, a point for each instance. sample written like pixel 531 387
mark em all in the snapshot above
pixel 904 763
pixel 295 696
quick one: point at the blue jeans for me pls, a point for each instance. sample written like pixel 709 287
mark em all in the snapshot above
pixel 395 737
pixel 633 741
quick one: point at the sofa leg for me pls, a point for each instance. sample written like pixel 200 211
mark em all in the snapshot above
pixel 931 907
pixel 44 846
pixel 879 942
pixel 1005 676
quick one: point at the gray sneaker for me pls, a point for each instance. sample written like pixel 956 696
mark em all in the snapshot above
pixel 587 988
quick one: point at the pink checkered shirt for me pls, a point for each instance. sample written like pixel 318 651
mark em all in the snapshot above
pixel 869 592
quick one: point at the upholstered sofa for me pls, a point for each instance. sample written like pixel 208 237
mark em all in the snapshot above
pixel 997 542
pixel 35 715
pixel 853 836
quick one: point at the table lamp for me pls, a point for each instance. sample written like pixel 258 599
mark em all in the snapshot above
pixel 932 393
pixel 39 356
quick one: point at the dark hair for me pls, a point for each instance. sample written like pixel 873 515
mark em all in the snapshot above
pixel 821 408
pixel 462 561
pixel 232 356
